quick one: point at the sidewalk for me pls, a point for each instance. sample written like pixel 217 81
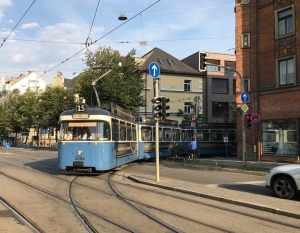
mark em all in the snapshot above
pixel 290 208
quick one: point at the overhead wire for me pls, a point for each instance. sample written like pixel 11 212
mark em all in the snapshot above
pixel 4 40
pixel 92 22
pixel 102 36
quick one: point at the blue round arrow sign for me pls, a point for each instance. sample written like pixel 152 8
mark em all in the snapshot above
pixel 245 97
pixel 154 70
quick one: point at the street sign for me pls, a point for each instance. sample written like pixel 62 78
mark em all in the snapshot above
pixel 154 70
pixel 245 97
pixel 245 108
pixel 255 117
pixel 225 139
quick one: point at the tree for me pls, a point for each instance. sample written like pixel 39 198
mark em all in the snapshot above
pixel 186 118
pixel 52 102
pixel 122 86
pixel 3 120
pixel 230 115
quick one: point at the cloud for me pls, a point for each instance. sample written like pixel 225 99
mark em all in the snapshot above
pixel 29 25
pixel 3 3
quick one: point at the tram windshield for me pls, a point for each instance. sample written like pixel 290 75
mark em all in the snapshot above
pixel 92 130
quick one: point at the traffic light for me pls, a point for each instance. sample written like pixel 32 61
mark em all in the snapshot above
pixel 247 121
pixel 157 108
pixel 165 107
pixel 203 61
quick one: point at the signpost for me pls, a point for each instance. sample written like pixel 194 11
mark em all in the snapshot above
pixel 154 71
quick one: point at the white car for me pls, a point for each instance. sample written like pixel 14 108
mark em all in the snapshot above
pixel 284 180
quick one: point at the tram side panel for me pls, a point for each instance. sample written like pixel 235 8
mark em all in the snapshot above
pixel 83 155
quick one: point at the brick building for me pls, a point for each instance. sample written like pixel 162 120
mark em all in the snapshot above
pixel 267 54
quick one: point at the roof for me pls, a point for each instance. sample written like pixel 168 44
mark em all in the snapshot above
pixel 170 63
pixel 71 83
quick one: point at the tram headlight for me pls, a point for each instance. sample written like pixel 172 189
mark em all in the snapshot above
pixel 79 152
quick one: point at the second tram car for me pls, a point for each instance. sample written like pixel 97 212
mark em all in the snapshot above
pixel 214 139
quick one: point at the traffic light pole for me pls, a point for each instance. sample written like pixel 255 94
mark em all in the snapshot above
pixel 244 152
pixel 156 136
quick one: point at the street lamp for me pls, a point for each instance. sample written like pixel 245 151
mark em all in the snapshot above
pixel 122 16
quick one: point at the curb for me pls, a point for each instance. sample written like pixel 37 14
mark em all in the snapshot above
pixel 202 167
pixel 221 199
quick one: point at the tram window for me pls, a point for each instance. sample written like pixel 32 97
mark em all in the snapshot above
pixel 103 131
pixel 122 131
pixel 183 135
pixel 77 129
pixel 231 135
pixel 129 134
pixel 161 135
pixel 133 133
pixel 216 135
pixel 167 134
pixel 115 130
pixel 176 134
pixel 200 135
pixel 146 133
pixel 205 135
pixel 189 135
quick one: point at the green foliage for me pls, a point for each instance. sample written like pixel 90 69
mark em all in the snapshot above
pixel 122 86
pixel 187 118
pixel 34 108
pixel 230 115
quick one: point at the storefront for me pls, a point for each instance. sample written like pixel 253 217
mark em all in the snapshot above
pixel 280 138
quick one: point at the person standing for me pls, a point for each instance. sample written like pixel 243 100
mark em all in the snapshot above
pixel 193 146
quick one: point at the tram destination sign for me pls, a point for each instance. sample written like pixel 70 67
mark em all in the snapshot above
pixel 80 116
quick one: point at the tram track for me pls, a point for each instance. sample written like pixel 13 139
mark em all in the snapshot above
pixel 21 217
pixel 148 206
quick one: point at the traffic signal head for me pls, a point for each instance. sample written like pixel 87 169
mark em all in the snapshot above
pixel 165 107
pixel 157 108
pixel 203 61
pixel 248 121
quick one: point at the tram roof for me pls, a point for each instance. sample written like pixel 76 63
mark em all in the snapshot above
pixel 90 111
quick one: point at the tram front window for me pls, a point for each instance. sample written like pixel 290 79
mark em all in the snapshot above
pixel 85 131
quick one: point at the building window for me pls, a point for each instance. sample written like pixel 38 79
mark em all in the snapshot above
pixel 285 22
pixel 219 108
pixel 246 85
pixel 187 108
pixel 230 64
pixel 245 40
pixel 279 137
pixel 245 1
pixel 286 71
pixel 219 86
pixel 187 85
pixel 171 62
pixel 161 61
pixel 212 67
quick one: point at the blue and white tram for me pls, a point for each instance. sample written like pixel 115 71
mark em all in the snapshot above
pixel 111 141
pixel 211 138
pixel 169 135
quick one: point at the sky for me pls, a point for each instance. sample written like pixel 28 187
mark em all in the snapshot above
pixel 48 36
